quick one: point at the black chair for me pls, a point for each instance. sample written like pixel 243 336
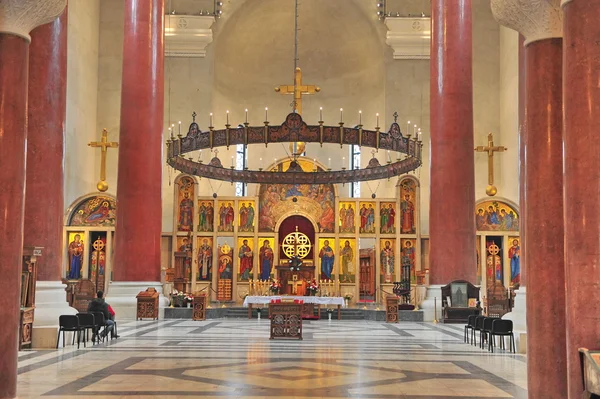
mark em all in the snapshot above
pixel 114 331
pixel 478 327
pixel 502 328
pixel 99 325
pixel 86 322
pixel 484 334
pixel 69 323
pixel 470 326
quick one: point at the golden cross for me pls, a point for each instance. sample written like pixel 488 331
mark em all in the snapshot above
pixel 104 145
pixel 490 190
pixel 297 89
pixel 98 245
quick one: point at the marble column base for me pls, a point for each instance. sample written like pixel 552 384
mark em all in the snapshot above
pixel 519 319
pixel 121 296
pixel 428 306
pixel 50 304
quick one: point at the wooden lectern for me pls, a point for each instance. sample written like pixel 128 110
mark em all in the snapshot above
pixel 391 309
pixel 199 306
pixel 147 304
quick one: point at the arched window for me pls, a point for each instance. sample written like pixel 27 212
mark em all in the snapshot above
pixel 354 164
pixel 241 161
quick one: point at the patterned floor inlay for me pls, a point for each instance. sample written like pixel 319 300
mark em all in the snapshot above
pixel 235 359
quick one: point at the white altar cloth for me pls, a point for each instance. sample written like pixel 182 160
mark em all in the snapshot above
pixel 321 300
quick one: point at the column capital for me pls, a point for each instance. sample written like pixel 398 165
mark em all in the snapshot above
pixel 534 19
pixel 19 17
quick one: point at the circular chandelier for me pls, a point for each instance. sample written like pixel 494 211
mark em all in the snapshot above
pixel 295 130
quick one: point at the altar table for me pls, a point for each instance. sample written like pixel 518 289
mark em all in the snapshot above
pixel 317 300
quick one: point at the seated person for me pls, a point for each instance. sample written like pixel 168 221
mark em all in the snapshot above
pixel 99 305
pixel 112 317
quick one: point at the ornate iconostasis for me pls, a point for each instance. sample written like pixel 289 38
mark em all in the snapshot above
pixel 498 245
pixel 89 239
pixel 365 244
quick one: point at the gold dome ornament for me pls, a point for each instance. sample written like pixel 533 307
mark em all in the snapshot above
pixel 102 186
pixel 297 148
pixel 491 190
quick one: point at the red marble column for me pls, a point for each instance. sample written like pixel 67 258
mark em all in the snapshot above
pixel 139 203
pixel 522 146
pixel 44 204
pixel 13 133
pixel 542 202
pixel 581 93
pixel 453 253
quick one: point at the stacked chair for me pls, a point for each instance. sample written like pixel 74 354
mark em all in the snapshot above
pixel 70 323
pixel 489 328
pixel 80 324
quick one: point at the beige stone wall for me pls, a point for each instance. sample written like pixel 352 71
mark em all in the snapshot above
pixel 486 83
pixel 82 88
pixel 508 162
pixel 110 67
pixel 343 50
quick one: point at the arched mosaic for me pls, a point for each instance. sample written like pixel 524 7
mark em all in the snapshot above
pixel 95 210
pixel 496 215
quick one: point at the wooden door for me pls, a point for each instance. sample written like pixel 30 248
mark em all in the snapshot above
pixel 367 274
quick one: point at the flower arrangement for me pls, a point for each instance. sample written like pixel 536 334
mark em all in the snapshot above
pixel 312 288
pixel 275 286
pixel 348 296
pixel 180 298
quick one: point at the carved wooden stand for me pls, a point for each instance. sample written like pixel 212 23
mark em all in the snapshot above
pixel 28 280
pixel 286 320
pixel 199 307
pixel 391 309
pixel 147 304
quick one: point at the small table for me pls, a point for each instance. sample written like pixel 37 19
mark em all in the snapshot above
pixel 286 322
pixel 318 300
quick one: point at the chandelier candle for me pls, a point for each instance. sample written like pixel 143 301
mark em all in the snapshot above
pixel 296 131
pixel 320 113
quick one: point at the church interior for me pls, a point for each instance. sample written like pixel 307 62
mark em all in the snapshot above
pixel 300 198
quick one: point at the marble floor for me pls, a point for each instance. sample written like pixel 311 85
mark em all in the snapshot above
pixel 233 358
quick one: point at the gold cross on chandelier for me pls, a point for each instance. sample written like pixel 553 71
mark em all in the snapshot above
pixel 104 145
pixel 298 90
pixel 490 190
